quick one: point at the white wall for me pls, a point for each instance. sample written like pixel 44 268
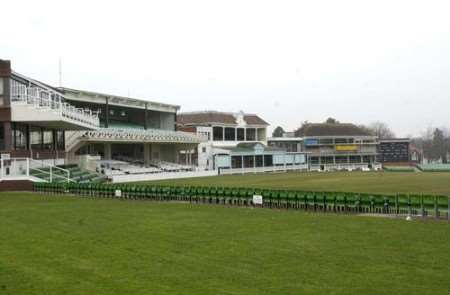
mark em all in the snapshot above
pixel 162 176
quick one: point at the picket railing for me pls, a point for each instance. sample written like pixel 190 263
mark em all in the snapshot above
pixel 424 206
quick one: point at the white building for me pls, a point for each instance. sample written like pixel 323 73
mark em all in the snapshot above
pixel 223 131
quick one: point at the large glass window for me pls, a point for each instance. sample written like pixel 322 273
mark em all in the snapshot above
pixel 241 134
pixel 20 137
pixel 60 144
pixel 36 138
pixel 230 134
pixel 48 140
pixel 217 133
pixel 2 137
pixel 251 134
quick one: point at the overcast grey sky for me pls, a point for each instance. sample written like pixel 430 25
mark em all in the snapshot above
pixel 289 61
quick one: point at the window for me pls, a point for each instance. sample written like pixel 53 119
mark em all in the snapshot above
pixel 48 140
pixel 230 134
pixel 60 143
pixel 203 149
pixel 241 134
pixel 326 141
pixel 20 137
pixel 2 137
pixel 36 138
pixel 217 133
pixel 251 134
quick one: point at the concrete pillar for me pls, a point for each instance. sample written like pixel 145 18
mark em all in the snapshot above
pixel 107 151
pixel 107 112
pixel 245 134
pixel 256 134
pixel 242 162
pixel 235 134
pixel 177 155
pixel 146 154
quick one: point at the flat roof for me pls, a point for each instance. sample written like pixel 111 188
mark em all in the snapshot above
pixel 77 95
pixel 285 139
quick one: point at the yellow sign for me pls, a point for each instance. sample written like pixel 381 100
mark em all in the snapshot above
pixel 347 148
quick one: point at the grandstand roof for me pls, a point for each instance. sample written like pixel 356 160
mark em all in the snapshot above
pixel 214 117
pixel 97 97
pixel 139 136
pixel 325 129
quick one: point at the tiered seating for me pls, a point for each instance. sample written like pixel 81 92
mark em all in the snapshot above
pixel 171 167
pixel 122 167
pixel 78 175
pixel 113 167
pixel 434 167
pixel 399 169
pixel 75 174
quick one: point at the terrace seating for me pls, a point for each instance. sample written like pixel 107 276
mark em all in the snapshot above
pixel 59 176
pixel 434 167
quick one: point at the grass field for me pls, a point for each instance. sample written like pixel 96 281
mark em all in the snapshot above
pixel 70 245
pixel 372 182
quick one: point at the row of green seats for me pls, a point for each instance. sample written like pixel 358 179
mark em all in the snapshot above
pixel 244 195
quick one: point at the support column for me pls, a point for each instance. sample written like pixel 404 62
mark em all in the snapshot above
pixel 254 163
pixel 245 134
pixel 235 134
pixel 223 133
pixel 146 116
pixel 146 154
pixel 256 134
pixel 107 113
pixel 107 151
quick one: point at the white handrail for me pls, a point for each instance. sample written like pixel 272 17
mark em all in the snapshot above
pixel 41 164
pixel 46 100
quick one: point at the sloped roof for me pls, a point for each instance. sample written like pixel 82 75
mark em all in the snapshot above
pixel 209 117
pixel 325 129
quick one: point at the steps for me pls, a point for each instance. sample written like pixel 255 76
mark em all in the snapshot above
pixel 75 175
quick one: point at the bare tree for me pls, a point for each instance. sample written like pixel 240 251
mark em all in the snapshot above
pixel 439 147
pixel 381 129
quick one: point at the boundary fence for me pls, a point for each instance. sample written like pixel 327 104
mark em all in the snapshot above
pixel 426 206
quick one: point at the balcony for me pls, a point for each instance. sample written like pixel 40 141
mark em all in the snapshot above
pixel 42 107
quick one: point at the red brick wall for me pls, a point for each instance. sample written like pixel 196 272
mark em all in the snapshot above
pixel 16 185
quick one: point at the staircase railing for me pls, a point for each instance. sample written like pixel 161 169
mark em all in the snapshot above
pixel 40 166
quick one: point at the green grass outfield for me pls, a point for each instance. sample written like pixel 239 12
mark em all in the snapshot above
pixel 73 245
pixel 364 182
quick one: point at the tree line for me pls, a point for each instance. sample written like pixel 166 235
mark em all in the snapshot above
pixel 433 142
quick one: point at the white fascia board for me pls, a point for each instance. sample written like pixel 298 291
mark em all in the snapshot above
pixel 86 96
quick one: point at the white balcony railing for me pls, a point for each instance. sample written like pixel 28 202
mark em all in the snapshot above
pixel 47 101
